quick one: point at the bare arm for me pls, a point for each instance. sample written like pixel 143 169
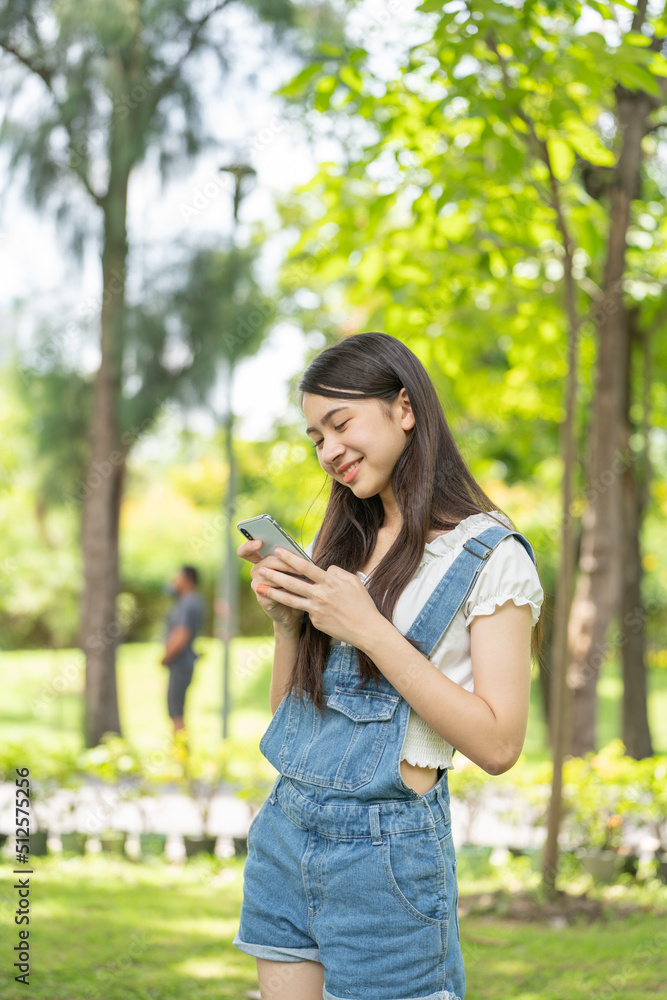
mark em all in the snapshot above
pixel 489 725
pixel 284 659
pixel 177 640
pixel 286 622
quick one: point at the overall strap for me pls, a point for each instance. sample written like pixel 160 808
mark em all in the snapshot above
pixel 451 591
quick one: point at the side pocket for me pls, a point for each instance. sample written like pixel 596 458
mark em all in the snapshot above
pixel 415 873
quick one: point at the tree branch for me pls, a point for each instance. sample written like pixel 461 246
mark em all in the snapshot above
pixel 502 244
pixel 47 76
pixel 195 36
pixel 639 16
pixel 543 154
pixel 41 71
pixel 83 177
pixel 589 286
pixel 525 118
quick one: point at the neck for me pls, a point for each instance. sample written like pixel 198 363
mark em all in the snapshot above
pixel 392 515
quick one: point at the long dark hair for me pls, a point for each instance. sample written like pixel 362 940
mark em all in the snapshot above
pixel 433 487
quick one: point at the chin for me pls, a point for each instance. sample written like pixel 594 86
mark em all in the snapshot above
pixel 364 493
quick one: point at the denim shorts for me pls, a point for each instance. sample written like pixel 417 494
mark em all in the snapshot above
pixel 348 865
pixel 368 891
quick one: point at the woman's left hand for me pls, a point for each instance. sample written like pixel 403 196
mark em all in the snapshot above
pixel 337 601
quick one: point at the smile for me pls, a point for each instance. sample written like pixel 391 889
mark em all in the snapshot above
pixel 352 471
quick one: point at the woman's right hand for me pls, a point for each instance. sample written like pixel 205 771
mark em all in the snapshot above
pixel 287 620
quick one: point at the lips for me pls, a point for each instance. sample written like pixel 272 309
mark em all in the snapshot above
pixel 343 468
pixel 352 468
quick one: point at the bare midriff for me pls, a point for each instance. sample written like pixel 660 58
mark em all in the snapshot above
pixel 422 779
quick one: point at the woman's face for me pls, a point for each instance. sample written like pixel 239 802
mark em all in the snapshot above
pixel 356 441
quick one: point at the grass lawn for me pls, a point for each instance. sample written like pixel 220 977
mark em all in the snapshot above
pixel 42 694
pixel 42 697
pixel 615 960
pixel 110 929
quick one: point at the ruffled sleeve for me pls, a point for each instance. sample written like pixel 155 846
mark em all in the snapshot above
pixel 508 574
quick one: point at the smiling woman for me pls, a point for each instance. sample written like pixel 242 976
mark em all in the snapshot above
pixel 335 443
pixel 409 636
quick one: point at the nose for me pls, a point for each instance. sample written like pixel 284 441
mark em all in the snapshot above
pixel 331 451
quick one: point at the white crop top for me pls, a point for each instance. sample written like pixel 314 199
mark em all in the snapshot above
pixel 508 573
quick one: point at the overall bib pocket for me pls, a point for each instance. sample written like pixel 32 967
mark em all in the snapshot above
pixel 340 748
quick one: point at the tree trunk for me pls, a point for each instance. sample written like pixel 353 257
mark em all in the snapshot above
pixel 104 485
pixel 559 702
pixel 598 591
pixel 100 561
pixel 635 728
pixel 544 671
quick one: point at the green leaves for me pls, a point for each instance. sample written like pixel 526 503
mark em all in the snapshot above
pixel 429 6
pixel 561 157
pixel 636 77
pixel 586 142
pixel 458 140
pixel 351 78
pixel 296 87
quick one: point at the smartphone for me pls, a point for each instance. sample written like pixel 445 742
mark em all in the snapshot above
pixel 267 529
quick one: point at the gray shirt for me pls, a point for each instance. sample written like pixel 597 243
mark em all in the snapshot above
pixel 189 611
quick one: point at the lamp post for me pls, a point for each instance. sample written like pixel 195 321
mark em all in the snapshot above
pixel 228 607
pixel 240 172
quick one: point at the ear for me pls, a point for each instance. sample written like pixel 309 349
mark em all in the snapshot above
pixel 407 417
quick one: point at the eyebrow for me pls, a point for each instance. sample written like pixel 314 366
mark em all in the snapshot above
pixel 327 417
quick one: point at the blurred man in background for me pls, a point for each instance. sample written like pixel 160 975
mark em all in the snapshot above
pixel 184 623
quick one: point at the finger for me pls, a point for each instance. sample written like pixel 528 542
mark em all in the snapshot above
pixel 286 581
pixel 250 550
pixel 275 562
pixel 261 588
pixel 301 566
pixel 283 597
pixel 271 562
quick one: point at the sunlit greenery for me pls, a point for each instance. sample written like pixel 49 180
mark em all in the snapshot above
pixel 462 166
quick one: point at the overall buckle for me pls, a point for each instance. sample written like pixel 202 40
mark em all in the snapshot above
pixel 479 541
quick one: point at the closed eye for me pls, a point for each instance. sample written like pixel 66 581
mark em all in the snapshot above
pixel 337 427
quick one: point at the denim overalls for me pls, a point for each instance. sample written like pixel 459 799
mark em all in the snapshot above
pixel 347 865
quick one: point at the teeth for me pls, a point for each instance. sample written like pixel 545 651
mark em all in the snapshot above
pixel 351 467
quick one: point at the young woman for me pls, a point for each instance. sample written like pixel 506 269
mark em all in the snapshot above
pixel 409 638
